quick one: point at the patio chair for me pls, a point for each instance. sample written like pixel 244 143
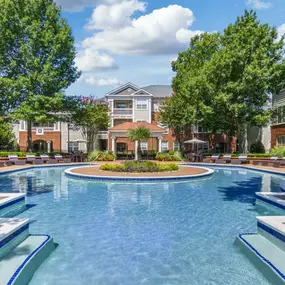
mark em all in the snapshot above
pixel 58 157
pixel 45 157
pixel 52 161
pixel 67 160
pixel 13 157
pixel 38 161
pixel 213 158
pixel 30 158
pixel 19 162
pixel 2 164
pixel 280 163
pixel 240 160
pixel 227 158
pixel 8 163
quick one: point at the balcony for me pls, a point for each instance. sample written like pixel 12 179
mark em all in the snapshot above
pixel 122 113
pixel 103 135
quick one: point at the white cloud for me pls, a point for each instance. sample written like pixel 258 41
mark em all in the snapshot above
pixel 259 4
pixel 184 35
pixel 281 31
pixel 115 16
pixel 103 81
pixel 90 60
pixel 163 31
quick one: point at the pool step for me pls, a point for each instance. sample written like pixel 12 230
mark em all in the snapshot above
pixel 266 248
pixel 267 257
pixel 19 264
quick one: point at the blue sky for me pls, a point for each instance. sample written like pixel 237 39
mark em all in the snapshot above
pixel 135 40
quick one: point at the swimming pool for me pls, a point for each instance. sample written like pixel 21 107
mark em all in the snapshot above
pixel 138 233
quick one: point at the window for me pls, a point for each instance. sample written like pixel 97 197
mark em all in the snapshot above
pixel 281 140
pixel 43 125
pixel 143 146
pixel 73 146
pixel 280 118
pixel 164 146
pixel 176 146
pixel 142 104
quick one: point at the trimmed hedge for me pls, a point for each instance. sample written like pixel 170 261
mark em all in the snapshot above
pixel 166 157
pixel 140 166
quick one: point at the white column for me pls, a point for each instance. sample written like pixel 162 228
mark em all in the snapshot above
pixel 49 146
pixel 136 151
pixel 114 145
pixel 159 144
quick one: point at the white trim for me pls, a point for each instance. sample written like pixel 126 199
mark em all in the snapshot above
pixel 122 87
pixel 150 109
pixel 140 90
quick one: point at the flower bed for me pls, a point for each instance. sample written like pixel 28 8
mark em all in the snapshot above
pixel 140 166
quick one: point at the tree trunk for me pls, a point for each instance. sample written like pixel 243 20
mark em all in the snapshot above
pixel 139 150
pixel 242 138
pixel 29 137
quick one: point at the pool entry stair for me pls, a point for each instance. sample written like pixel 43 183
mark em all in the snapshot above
pixel 12 204
pixel 266 248
pixel 21 253
pixel 276 199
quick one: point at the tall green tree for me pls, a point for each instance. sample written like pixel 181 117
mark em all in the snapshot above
pixel 225 80
pixel 175 115
pixel 139 134
pixel 90 116
pixel 36 60
pixel 7 136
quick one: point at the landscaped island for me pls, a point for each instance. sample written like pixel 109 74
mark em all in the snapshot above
pixel 140 166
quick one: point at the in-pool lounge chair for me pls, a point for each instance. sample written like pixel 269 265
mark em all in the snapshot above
pixel 15 160
pixel 226 158
pixel 240 160
pixel 45 157
pixel 213 158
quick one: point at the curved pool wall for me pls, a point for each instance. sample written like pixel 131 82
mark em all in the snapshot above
pixel 155 234
pixel 70 173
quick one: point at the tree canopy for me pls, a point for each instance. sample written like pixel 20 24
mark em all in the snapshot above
pixel 36 59
pixel 139 134
pixel 90 116
pixel 224 81
pixel 7 137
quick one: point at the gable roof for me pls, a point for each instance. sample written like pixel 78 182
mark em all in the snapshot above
pixel 121 88
pixel 133 125
pixel 159 91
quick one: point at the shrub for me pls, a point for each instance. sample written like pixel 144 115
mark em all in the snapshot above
pixel 140 166
pixel 257 147
pixel 98 155
pixel 23 153
pixel 278 150
pixel 166 157
pixel 171 152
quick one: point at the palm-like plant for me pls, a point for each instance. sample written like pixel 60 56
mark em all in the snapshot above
pixel 139 134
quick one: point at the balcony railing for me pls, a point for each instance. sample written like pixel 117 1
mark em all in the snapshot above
pixel 103 135
pixel 122 112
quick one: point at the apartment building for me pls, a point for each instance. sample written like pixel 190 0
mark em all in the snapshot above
pixel 278 122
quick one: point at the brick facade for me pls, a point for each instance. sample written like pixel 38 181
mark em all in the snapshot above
pixel 54 137
pixel 276 131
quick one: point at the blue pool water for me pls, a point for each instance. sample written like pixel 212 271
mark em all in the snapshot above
pixel 161 233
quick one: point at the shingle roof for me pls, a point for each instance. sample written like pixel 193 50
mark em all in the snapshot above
pixel 159 91
pixel 134 125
